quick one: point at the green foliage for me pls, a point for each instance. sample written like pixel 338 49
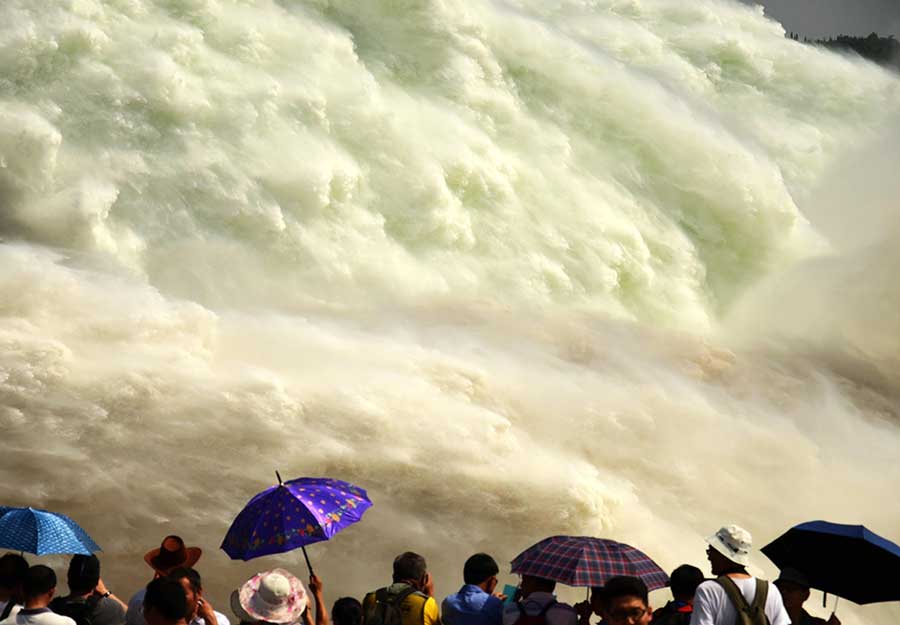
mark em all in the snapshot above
pixel 882 50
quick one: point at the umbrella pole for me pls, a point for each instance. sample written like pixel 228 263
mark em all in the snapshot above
pixel 308 565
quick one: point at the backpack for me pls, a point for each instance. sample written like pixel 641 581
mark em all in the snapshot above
pixel 388 608
pixel 533 619
pixel 747 614
pixel 669 615
pixel 82 612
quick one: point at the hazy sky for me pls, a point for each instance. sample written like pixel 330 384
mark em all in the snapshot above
pixel 818 18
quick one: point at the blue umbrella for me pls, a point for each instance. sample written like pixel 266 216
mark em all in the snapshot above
pixel 849 561
pixel 294 514
pixel 41 532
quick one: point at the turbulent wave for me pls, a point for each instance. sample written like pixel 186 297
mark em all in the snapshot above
pixel 517 267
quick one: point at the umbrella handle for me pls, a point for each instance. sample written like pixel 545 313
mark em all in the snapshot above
pixel 308 565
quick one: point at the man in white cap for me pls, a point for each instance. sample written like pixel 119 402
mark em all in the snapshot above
pixel 735 596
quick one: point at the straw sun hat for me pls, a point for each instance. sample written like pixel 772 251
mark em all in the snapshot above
pixel 273 596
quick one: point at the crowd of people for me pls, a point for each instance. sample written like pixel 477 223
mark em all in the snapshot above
pixel 174 595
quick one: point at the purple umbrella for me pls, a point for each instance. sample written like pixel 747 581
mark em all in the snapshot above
pixel 586 561
pixel 294 514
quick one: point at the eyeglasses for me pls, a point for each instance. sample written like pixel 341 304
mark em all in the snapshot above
pixel 630 614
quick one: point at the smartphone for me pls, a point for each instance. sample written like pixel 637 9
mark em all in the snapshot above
pixel 510 592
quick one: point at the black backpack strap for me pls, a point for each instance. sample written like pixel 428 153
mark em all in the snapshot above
pixel 7 610
pixel 762 594
pixel 734 593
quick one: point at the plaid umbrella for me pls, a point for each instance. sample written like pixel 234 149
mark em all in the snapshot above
pixel 294 514
pixel 586 561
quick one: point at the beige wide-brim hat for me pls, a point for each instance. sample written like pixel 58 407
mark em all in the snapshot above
pixel 274 596
pixel 733 542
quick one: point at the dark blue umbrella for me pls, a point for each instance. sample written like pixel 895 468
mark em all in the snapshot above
pixel 849 561
pixel 294 514
pixel 41 532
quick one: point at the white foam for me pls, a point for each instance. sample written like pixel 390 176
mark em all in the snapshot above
pixel 493 260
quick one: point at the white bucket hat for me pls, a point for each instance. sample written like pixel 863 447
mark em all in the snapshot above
pixel 733 542
pixel 273 596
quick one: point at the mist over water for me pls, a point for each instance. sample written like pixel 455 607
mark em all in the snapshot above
pixel 518 268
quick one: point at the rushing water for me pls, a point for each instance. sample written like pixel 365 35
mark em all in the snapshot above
pixel 617 267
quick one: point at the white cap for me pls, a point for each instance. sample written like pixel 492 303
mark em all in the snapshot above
pixel 733 542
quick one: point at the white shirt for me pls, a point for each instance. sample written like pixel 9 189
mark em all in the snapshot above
pixel 712 606
pixel 534 604
pixel 220 618
pixel 15 609
pixel 39 616
pixel 135 614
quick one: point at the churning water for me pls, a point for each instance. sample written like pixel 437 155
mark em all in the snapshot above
pixel 518 267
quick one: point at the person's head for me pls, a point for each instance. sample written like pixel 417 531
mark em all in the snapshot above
pixel 39 586
pixel 13 569
pixel 83 574
pixel 794 588
pixel 729 550
pixel 481 570
pixel 625 601
pixel 410 567
pixel 684 581
pixel 347 611
pixel 531 584
pixel 275 596
pixel 165 602
pixel 193 588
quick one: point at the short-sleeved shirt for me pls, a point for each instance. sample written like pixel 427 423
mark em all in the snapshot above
pixel 534 604
pixel 37 616
pixel 472 606
pixel 416 610
pixel 107 611
pixel 713 607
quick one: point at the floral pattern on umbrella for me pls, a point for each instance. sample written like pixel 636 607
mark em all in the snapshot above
pixel 294 514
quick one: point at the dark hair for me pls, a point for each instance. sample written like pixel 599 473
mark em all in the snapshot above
pixel 346 611
pixel 685 579
pixel 166 596
pixel 39 580
pixel 13 568
pixel 83 574
pixel 191 575
pixel 542 584
pixel 624 586
pixel 479 568
pixel 409 565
